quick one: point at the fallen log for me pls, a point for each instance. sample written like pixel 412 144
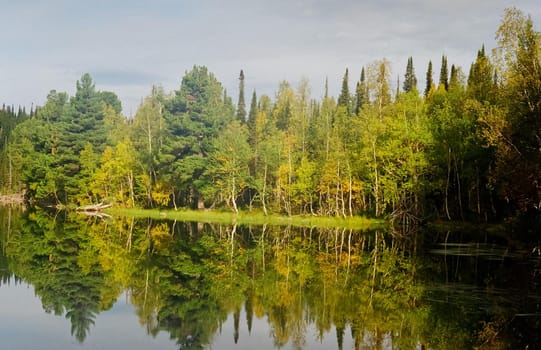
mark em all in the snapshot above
pixel 16 198
pixel 94 207
pixel 98 214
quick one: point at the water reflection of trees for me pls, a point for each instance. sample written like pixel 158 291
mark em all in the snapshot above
pixel 50 255
pixel 331 278
pixel 186 278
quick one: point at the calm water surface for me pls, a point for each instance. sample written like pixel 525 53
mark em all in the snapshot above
pixel 73 282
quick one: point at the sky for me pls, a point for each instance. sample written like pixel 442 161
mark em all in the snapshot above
pixel 130 45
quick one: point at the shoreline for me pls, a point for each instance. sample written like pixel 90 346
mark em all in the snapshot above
pixel 250 218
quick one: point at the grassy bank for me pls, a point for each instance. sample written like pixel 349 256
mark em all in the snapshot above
pixel 249 218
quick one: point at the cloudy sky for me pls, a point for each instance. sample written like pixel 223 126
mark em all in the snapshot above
pixel 129 45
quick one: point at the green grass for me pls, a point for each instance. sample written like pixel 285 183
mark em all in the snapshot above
pixel 249 218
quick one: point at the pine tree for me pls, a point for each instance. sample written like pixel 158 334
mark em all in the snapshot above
pixel 253 111
pixel 453 81
pixel 361 92
pixel 410 80
pixel 481 79
pixel 358 98
pixel 344 98
pixel 429 81
pixel 444 73
pixel 241 105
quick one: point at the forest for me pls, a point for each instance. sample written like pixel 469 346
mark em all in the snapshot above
pixel 465 146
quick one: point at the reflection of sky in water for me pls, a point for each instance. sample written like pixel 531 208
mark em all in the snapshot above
pixel 25 325
pixel 259 337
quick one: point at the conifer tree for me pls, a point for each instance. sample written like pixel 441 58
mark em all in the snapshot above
pixel 429 81
pixel 253 111
pixel 481 78
pixel 358 98
pixel 344 98
pixel 410 80
pixel 453 81
pixel 241 105
pixel 444 73
pixel 361 92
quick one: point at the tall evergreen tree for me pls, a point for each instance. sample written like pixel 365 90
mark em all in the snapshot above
pixel 345 98
pixel 429 81
pixel 361 92
pixel 358 98
pixel 453 81
pixel 444 73
pixel 410 80
pixel 253 111
pixel 241 105
pixel 481 79
pixel 193 118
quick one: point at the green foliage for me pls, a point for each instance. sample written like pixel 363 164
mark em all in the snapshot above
pixel 444 73
pixel 410 80
pixel 186 279
pixel 456 153
pixel 229 174
pixel 54 148
pixel 429 80
pixel 10 179
pixel 518 145
pixel 344 99
pixel 241 105
pixel 193 119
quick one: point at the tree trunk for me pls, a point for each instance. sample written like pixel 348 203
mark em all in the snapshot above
pixel 200 202
pixel 376 182
pixel 350 199
pixel 459 195
pixel 10 180
pixel 264 190
pixel 447 184
pixel 233 196
pixel 132 192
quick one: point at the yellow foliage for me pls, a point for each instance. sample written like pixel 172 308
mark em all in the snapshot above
pixel 161 194
pixel 160 236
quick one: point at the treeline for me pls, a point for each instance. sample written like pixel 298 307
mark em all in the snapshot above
pixel 465 147
pixel 9 118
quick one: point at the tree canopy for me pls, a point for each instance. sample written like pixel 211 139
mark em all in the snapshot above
pixel 468 148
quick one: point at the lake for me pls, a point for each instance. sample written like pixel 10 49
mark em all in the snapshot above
pixel 68 281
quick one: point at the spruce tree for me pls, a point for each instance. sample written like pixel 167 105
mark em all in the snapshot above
pixel 241 105
pixel 344 98
pixel 453 81
pixel 361 93
pixel 253 111
pixel 358 98
pixel 481 79
pixel 410 80
pixel 429 81
pixel 444 73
